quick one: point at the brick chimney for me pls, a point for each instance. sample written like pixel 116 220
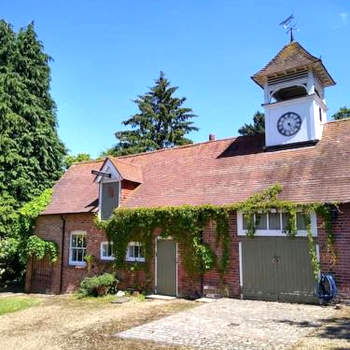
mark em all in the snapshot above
pixel 211 137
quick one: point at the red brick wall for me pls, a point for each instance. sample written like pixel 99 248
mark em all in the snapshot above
pixel 212 280
pixel 341 270
pixel 50 227
pixel 127 188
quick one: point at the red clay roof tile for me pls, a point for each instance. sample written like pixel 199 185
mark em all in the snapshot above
pixel 222 172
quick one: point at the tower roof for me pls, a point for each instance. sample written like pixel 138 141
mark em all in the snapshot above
pixel 293 58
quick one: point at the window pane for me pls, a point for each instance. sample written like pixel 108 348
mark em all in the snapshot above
pixel 246 221
pixel 285 218
pixel 74 255
pixel 79 255
pixel 84 253
pixel 274 221
pixel 110 251
pixel 74 242
pixel 261 221
pixel 137 251
pixel 104 250
pixel 131 251
pixel 141 252
pixel 301 224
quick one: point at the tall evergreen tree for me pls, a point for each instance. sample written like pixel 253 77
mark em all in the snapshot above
pixel 31 154
pixel 162 122
pixel 343 113
pixel 258 126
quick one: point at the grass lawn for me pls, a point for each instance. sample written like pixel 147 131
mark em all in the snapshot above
pixel 12 304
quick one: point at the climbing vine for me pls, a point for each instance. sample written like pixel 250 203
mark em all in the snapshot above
pixel 39 248
pixel 33 245
pixel 185 224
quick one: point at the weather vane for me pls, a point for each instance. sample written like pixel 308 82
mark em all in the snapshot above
pixel 289 25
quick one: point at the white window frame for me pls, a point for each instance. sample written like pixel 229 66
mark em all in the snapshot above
pixel 102 257
pixel 71 261
pixel 130 258
pixel 276 233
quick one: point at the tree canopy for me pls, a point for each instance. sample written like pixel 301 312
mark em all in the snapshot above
pixel 343 113
pixel 31 154
pixel 161 122
pixel 80 157
pixel 258 126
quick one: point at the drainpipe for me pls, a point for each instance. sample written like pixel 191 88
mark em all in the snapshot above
pixel 62 252
pixel 202 274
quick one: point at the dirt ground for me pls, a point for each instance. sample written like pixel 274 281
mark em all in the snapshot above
pixel 62 322
pixel 334 334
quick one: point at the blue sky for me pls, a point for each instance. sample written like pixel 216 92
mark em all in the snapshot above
pixel 109 51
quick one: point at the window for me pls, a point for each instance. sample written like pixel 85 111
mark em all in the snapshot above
pixel 77 248
pixel 261 221
pixel 135 252
pixel 246 221
pixel 109 198
pixel 107 251
pixel 301 224
pixel 275 223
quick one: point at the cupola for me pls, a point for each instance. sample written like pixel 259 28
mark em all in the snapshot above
pixel 294 101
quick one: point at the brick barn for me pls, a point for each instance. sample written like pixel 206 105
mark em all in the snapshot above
pixel 300 150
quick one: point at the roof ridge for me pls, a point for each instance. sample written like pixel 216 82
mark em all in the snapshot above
pixel 338 120
pixel 175 148
pixel 122 161
pixel 88 161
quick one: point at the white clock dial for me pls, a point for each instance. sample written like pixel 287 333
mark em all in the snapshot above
pixel 289 124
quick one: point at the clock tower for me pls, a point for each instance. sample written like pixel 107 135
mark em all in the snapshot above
pixel 295 107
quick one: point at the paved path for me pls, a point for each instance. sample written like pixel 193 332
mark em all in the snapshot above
pixel 235 324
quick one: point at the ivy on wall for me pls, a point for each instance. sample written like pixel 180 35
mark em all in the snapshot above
pixel 34 246
pixel 185 225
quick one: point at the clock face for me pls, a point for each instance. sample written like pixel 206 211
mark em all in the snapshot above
pixel 289 124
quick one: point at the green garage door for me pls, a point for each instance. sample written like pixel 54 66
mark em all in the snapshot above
pixel 166 267
pixel 277 268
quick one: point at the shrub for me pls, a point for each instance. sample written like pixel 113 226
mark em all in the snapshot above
pixel 98 285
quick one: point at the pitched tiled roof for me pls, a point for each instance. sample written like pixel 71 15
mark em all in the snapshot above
pixel 76 191
pixel 293 57
pixel 127 170
pixel 222 172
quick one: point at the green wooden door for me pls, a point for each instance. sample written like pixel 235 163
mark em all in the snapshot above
pixel 277 268
pixel 166 267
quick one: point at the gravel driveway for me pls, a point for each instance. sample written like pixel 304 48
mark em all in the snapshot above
pixel 235 324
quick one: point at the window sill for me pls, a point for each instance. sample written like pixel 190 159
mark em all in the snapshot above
pixel 77 266
pixel 276 233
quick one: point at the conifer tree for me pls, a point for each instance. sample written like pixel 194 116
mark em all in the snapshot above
pixel 258 126
pixel 162 122
pixel 31 154
pixel 343 113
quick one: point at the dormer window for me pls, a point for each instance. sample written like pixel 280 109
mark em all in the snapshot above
pixel 109 196
pixel 110 177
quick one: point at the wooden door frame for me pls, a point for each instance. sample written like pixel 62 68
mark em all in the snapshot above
pixel 176 264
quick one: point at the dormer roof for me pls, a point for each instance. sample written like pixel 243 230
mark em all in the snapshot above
pixel 293 58
pixel 127 171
